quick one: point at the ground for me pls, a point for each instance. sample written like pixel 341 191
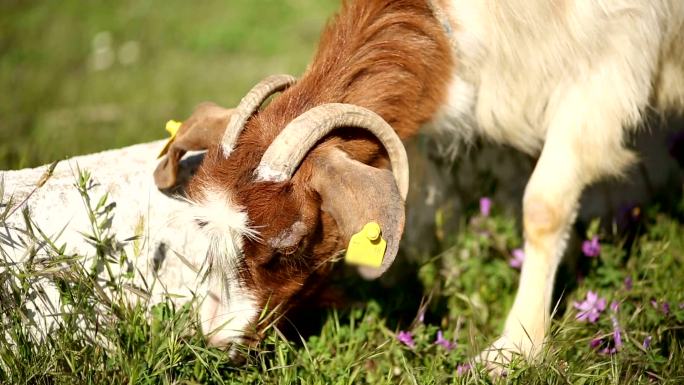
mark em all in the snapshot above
pixel 85 76
pixel 79 76
pixel 619 319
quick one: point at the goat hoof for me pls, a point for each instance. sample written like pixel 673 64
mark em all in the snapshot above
pixel 502 355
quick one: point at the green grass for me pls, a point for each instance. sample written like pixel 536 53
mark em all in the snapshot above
pixel 466 290
pixel 55 104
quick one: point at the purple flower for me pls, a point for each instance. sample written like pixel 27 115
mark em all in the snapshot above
pixel 607 346
pixel 681 305
pixel 628 283
pixel 446 344
pixel 406 338
pixel 614 306
pixel 617 337
pixel 421 317
pixel 666 308
pixel 597 343
pixel 591 248
pixel 608 350
pixel 617 334
pixel 647 342
pixel 518 258
pixel 462 368
pixel 591 308
pixel 485 206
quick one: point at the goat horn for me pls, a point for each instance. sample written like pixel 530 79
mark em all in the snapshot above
pixel 289 148
pixel 249 105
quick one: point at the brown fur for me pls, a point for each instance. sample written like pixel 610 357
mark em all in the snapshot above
pixel 390 56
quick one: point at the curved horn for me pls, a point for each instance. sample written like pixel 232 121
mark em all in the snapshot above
pixel 249 105
pixel 289 148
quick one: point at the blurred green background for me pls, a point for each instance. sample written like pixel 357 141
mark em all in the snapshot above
pixel 81 76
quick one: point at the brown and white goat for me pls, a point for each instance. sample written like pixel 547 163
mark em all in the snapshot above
pixel 564 80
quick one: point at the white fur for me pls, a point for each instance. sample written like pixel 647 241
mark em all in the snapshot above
pixel 567 80
pixel 455 120
pixel 522 60
pixel 228 308
pixel 226 317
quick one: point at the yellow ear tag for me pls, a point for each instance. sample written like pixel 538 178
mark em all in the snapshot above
pixel 367 247
pixel 172 127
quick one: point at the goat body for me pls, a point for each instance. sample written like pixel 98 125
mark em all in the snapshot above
pixel 136 222
pixel 565 80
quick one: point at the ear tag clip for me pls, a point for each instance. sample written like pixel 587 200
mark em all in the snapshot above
pixel 172 127
pixel 367 247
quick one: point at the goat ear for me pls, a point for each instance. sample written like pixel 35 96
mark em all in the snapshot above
pixel 203 129
pixel 354 194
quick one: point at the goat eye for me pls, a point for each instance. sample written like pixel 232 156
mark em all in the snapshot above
pixel 288 250
pixel 201 223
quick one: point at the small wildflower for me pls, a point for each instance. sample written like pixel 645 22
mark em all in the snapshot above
pixel 518 257
pixel 681 305
pixel 617 334
pixel 421 317
pixel 608 350
pixel 591 248
pixel 485 206
pixel 607 346
pixel 406 338
pixel 446 344
pixel 654 303
pixel 617 337
pixel 666 308
pixel 591 308
pixel 628 283
pixel 647 342
pixel 614 306
pixel 462 368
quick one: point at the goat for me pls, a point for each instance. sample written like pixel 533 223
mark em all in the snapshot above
pixel 282 191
